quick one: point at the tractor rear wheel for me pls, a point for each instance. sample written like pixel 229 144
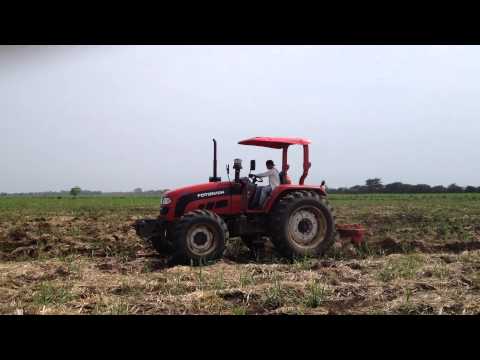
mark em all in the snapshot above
pixel 302 223
pixel 199 237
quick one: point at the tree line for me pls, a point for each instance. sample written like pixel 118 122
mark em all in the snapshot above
pixel 375 185
pixel 75 191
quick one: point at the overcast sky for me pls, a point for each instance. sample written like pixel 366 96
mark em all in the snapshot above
pixel 113 118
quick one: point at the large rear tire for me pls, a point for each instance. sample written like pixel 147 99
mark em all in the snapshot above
pixel 199 238
pixel 302 223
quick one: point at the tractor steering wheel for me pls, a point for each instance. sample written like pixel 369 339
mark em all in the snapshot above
pixel 255 178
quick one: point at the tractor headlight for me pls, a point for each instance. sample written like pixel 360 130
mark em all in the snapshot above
pixel 166 200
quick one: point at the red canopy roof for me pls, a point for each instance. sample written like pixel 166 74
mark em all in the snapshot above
pixel 274 142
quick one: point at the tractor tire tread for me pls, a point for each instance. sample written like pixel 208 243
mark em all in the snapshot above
pixel 180 230
pixel 278 216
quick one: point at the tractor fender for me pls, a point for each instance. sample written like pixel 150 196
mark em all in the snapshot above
pixel 282 190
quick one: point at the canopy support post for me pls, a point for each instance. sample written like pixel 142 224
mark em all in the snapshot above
pixel 306 164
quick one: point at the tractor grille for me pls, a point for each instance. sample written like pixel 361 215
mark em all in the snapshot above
pixel 164 210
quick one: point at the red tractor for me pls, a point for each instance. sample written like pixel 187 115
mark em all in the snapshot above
pixel 196 221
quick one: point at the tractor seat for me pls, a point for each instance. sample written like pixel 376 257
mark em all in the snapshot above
pixel 252 190
pixel 284 179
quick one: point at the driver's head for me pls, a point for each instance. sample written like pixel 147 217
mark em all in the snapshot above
pixel 270 164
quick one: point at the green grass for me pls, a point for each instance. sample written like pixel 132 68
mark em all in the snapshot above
pixel 315 294
pixel 278 294
pixel 429 217
pixel 436 217
pixel 239 310
pixel 303 263
pixel 48 294
pixel 219 281
pixel 79 206
pixel 459 203
pixel 405 267
pixel 246 278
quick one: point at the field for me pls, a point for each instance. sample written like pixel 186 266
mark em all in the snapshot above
pixel 81 256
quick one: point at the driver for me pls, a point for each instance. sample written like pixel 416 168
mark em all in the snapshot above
pixel 273 181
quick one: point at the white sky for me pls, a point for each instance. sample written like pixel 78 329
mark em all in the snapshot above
pixel 113 118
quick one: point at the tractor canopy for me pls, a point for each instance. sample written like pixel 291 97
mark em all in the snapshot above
pixel 274 142
pixel 283 143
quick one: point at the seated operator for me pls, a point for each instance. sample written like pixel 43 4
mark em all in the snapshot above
pixel 273 181
pixel 323 187
pixel 287 178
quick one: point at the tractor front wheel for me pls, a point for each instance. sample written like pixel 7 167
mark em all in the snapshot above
pixel 199 238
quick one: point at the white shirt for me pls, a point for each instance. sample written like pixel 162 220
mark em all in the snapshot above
pixel 273 177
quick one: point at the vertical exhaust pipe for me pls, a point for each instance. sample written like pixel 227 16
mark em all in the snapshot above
pixel 214 158
pixel 214 178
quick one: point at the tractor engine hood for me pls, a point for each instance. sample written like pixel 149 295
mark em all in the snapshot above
pixel 202 190
pixel 184 199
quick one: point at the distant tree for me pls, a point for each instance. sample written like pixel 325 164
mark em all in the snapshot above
pixel 408 188
pixel 438 189
pixel 138 190
pixel 358 189
pixel 374 185
pixel 396 187
pixel 454 188
pixel 422 188
pixel 75 191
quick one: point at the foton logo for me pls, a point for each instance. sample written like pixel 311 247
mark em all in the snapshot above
pixel 212 193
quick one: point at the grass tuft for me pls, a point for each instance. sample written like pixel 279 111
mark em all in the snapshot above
pixel 315 294
pixel 404 266
pixel 48 294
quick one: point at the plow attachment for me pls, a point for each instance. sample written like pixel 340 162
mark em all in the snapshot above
pixel 355 232
pixel 154 231
pixel 148 228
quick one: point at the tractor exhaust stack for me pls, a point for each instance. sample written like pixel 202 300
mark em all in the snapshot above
pixel 214 178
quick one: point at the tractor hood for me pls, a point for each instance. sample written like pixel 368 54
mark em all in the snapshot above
pixel 205 189
pixel 176 202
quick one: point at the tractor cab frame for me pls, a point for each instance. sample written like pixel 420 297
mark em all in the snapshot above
pixel 284 143
pixel 274 143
